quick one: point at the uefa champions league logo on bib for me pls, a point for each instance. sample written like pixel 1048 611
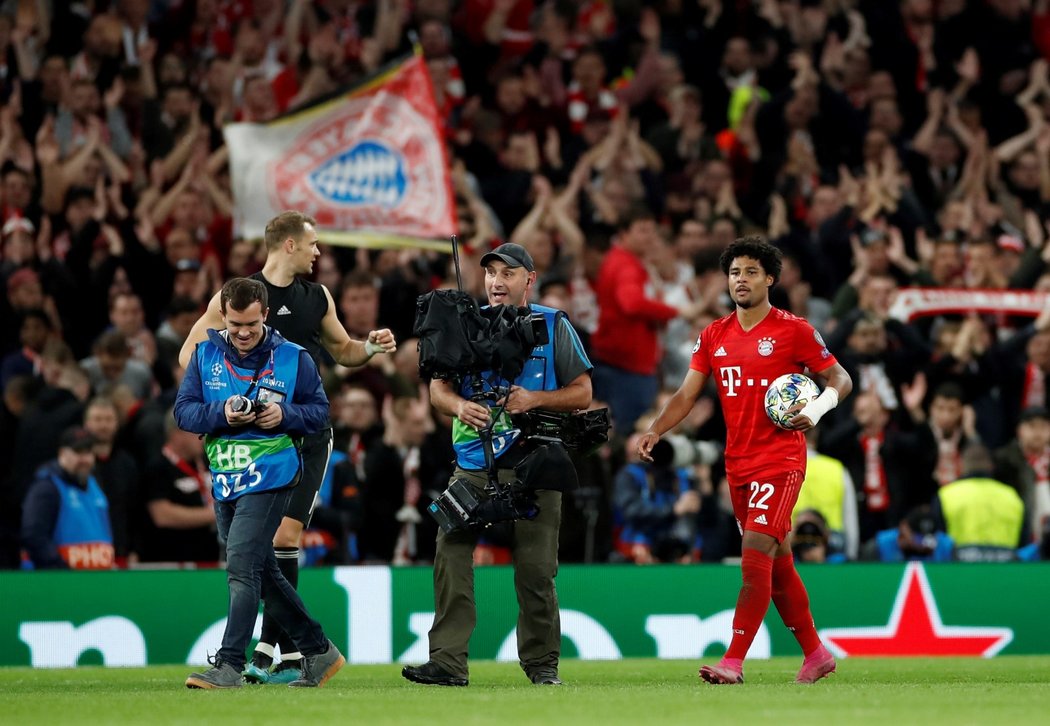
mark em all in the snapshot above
pixel 216 370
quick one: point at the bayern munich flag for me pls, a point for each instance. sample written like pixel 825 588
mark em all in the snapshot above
pixel 369 164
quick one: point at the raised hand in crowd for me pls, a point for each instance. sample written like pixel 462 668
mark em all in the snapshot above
pixel 968 68
pixel 897 254
pixel 833 61
pixel 913 396
pixel 726 204
pixel 778 225
pixel 48 151
pixel 712 12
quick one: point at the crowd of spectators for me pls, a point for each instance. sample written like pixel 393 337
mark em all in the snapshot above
pixel 880 144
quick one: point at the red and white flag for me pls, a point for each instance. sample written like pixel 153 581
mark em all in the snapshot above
pixel 369 164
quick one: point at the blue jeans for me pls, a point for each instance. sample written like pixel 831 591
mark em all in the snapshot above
pixel 629 395
pixel 247 526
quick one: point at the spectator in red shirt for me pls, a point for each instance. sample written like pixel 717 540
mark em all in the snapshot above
pixel 625 347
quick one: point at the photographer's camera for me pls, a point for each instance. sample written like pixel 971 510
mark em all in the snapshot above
pixel 243 404
pixel 677 451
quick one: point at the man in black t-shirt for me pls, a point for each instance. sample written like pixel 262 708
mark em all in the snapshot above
pixel 304 313
pixel 177 493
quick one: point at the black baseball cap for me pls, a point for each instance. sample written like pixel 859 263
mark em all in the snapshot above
pixel 77 438
pixel 512 255
pixel 1034 412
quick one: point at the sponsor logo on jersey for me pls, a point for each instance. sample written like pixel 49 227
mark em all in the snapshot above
pixel 187 485
pixel 761 519
pixel 765 346
pixel 284 310
pixel 721 352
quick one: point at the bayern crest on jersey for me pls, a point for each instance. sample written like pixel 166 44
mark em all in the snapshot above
pixel 765 346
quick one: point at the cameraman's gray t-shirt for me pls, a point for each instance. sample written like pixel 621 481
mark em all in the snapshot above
pixel 570 360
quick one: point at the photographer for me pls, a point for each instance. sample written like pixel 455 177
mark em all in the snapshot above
pixel 556 377
pixel 254 395
pixel 658 505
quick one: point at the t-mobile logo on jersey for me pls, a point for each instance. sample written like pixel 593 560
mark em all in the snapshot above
pixel 730 379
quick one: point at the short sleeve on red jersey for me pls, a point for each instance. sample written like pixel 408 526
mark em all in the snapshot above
pixel 701 361
pixel 812 351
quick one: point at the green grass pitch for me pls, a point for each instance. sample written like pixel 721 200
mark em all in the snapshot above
pixel 1004 690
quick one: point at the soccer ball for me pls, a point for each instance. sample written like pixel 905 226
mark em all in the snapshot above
pixel 786 391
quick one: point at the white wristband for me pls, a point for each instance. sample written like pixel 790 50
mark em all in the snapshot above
pixel 372 348
pixel 815 409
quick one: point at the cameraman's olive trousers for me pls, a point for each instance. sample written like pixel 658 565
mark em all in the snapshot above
pixel 535 552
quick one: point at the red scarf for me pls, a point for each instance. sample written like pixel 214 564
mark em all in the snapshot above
pixel 877 494
pixel 1034 393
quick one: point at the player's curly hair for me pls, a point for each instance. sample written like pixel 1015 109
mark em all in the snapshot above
pixel 757 248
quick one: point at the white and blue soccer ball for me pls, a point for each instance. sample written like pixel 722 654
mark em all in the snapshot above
pixel 787 391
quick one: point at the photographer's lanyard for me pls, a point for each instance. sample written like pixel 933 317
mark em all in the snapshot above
pixel 259 373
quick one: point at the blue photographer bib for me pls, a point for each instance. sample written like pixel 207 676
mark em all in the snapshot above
pixel 82 532
pixel 249 459
pixel 538 375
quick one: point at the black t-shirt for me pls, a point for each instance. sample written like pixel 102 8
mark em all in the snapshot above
pixel 165 480
pixel 296 312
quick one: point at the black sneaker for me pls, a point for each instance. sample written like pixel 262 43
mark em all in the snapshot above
pixel 220 675
pixel 431 674
pixel 545 677
pixel 317 669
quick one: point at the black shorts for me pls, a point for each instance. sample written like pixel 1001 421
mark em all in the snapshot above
pixel 315 451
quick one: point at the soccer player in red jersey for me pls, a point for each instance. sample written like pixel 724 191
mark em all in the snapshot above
pixel 744 352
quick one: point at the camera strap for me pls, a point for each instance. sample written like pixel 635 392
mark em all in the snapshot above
pixel 257 374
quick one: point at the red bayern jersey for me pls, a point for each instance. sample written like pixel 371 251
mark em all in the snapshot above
pixel 743 364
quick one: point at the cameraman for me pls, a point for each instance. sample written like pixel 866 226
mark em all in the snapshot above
pixel 556 378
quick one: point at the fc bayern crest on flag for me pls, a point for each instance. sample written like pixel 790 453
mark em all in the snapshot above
pixel 365 166
pixel 370 160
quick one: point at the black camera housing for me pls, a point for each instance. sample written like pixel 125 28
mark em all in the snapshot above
pixel 463 506
pixel 583 431
pixel 458 338
pixel 243 404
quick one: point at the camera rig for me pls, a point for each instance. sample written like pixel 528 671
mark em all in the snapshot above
pixel 582 431
pixel 462 506
pixel 457 337
pixel 458 340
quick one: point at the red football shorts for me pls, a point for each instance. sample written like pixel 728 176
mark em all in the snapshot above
pixel 765 504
